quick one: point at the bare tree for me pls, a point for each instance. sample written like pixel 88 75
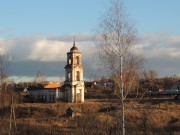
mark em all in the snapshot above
pixel 40 77
pixel 4 64
pixel 116 36
pixel 4 95
pixel 150 75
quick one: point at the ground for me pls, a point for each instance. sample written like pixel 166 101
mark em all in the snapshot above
pixel 98 116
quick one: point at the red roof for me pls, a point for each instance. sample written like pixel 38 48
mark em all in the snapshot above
pixel 52 85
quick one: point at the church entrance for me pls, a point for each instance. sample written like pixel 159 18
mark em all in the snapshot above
pixel 78 96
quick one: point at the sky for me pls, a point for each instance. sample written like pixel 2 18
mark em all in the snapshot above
pixel 38 33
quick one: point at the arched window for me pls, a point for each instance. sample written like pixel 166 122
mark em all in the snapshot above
pixel 69 76
pixel 69 61
pixel 77 60
pixel 78 76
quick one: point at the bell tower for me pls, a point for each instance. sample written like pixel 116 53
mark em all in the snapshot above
pixel 74 83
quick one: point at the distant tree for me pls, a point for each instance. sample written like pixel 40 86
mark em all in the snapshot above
pixel 151 79
pixel 116 36
pixel 4 65
pixel 151 75
pixel 5 94
pixel 168 81
pixel 40 77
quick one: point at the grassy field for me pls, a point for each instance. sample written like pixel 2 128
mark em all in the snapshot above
pixel 98 116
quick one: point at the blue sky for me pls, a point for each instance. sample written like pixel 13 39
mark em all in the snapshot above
pixel 155 15
pixel 49 17
pixel 38 34
pixel 20 17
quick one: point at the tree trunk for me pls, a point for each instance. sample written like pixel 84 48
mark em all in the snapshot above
pixel 122 96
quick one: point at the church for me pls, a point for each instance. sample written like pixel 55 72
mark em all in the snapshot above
pixel 73 88
pixel 74 83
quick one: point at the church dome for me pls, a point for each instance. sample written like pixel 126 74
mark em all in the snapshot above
pixel 74 48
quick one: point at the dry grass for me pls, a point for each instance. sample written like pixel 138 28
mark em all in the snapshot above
pixel 150 117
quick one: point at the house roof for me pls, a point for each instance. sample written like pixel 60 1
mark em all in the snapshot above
pixel 52 85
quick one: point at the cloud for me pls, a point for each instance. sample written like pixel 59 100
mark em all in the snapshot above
pixel 159 45
pixel 54 50
pixel 5 45
pixel 161 52
pixel 48 53
pixel 45 48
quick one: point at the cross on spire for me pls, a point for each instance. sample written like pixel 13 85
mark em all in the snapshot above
pixel 74 42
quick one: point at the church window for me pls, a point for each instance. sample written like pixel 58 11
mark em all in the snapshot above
pixel 78 76
pixel 69 61
pixel 69 76
pixel 77 60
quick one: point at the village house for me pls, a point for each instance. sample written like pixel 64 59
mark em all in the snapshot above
pixel 48 93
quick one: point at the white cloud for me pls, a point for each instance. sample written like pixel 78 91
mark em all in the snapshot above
pixel 53 50
pixel 160 45
pixel 175 53
pixel 161 52
pixel 5 45
pixel 47 50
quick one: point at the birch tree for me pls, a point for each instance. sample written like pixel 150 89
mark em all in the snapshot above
pixel 115 40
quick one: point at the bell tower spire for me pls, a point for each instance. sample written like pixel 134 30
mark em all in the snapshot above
pixel 74 44
pixel 74 48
